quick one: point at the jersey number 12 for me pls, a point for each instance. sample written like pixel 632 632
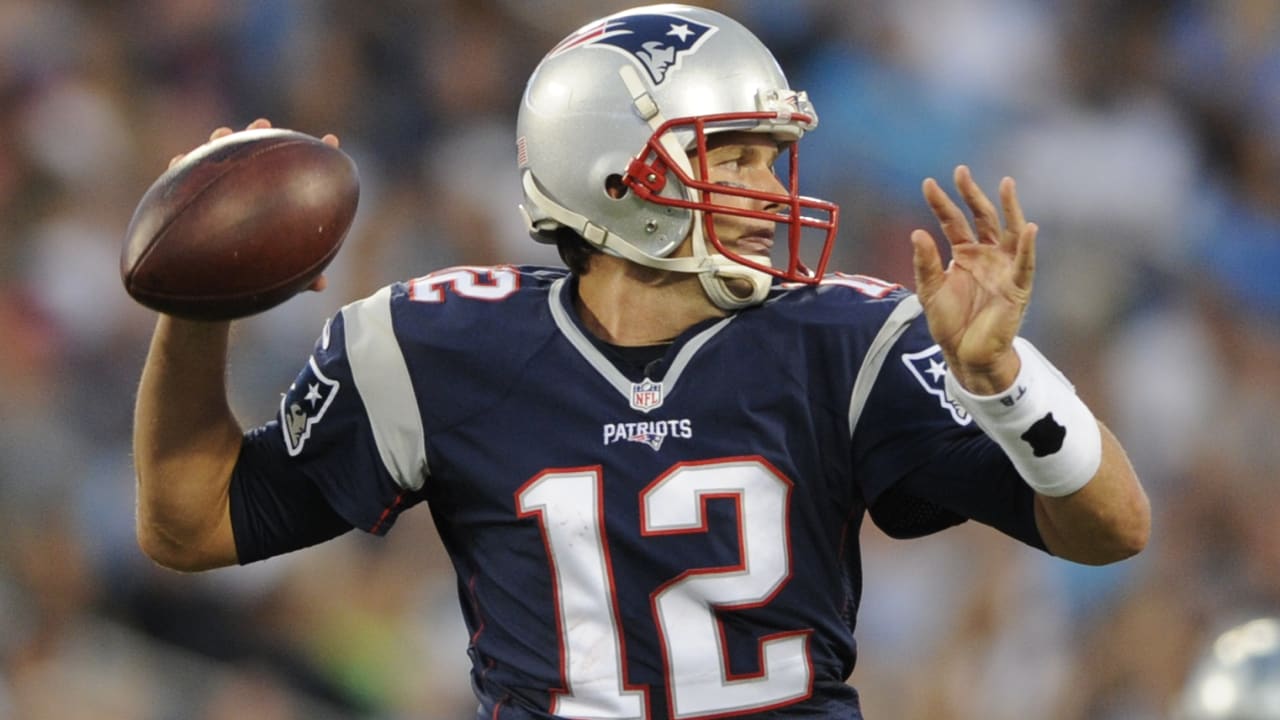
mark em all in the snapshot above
pixel 568 504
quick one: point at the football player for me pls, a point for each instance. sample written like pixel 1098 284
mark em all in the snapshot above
pixel 650 468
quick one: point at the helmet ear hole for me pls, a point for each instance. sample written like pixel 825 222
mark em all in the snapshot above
pixel 614 187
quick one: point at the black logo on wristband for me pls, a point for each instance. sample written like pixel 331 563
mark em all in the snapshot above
pixel 1045 436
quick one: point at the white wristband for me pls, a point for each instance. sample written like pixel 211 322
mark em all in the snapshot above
pixel 1040 423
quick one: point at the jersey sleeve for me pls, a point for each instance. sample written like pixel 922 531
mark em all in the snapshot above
pixel 274 511
pixel 916 448
pixel 323 456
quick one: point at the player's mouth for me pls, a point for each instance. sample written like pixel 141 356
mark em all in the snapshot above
pixel 756 243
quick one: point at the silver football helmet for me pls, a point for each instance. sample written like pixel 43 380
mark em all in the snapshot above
pixel 1238 678
pixel 613 121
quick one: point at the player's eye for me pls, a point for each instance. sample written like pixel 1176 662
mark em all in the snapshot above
pixel 727 162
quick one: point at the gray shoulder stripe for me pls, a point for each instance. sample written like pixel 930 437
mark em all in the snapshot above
pixel 894 325
pixel 382 379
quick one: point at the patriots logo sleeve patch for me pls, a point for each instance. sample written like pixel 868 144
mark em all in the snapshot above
pixel 304 405
pixel 930 370
pixel 656 42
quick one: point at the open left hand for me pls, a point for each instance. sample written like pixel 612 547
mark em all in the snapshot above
pixel 975 305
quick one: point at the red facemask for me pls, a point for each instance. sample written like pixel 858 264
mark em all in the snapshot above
pixel 647 176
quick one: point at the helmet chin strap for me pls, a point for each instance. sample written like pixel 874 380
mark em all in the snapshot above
pixel 718 275
pixel 720 282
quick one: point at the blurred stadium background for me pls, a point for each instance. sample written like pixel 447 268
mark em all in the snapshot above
pixel 1145 136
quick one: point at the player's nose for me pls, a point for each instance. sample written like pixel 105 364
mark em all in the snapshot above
pixel 775 188
pixel 770 183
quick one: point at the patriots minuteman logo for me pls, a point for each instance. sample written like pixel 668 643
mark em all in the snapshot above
pixel 930 369
pixel 657 42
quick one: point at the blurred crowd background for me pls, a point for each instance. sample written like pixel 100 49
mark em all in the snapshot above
pixel 1145 137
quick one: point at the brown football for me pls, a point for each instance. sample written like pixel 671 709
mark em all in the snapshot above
pixel 239 225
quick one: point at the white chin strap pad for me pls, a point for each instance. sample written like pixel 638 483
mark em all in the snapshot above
pixel 728 284
pixel 720 287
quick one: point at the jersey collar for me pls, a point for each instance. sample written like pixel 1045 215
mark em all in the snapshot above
pixel 648 394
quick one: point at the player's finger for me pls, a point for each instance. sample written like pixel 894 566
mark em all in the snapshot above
pixel 258 124
pixel 985 218
pixel 176 159
pixel 319 284
pixel 1014 221
pixel 925 261
pixel 954 223
pixel 1024 259
pixel 330 139
pixel 220 132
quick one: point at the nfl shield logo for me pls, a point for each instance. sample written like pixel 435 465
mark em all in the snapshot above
pixel 646 395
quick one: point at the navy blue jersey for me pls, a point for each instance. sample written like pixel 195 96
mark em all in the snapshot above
pixel 680 541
